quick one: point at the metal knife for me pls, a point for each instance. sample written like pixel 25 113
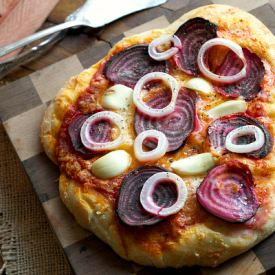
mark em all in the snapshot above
pixel 94 14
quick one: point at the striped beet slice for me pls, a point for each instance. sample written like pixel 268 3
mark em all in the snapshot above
pixel 177 126
pixel 220 128
pixel 129 208
pixel 250 86
pixel 129 65
pixel 193 34
pixel 227 192
pixel 100 132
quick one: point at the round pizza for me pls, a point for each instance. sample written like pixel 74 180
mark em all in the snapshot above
pixel 165 146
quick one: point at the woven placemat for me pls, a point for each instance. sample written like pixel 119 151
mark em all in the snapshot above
pixel 27 242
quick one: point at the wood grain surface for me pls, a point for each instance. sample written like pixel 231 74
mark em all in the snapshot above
pixel 23 102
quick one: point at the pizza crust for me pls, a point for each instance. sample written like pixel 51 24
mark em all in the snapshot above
pixel 59 106
pixel 201 244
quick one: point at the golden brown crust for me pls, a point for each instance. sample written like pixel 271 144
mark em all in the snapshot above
pixel 208 243
pixel 59 106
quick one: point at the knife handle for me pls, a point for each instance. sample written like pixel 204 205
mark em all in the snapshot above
pixel 27 40
pixel 8 65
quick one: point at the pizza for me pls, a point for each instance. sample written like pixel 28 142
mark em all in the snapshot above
pixel 165 146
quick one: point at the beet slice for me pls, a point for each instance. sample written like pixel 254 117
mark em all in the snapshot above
pixel 193 34
pixel 227 192
pixel 129 208
pixel 177 126
pixel 100 132
pixel 129 65
pixel 248 87
pixel 220 128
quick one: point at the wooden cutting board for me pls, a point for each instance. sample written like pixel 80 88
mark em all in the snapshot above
pixel 22 104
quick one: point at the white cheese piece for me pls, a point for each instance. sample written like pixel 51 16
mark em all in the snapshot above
pixel 111 164
pixel 201 85
pixel 227 108
pixel 194 165
pixel 117 97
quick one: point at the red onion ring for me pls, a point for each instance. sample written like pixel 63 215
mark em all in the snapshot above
pixel 245 148
pixel 101 146
pixel 128 207
pixel 146 195
pixel 140 104
pixel 221 78
pixel 155 154
pixel 159 56
pixel 221 127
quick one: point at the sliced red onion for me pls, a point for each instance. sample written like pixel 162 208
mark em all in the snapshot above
pixel 128 206
pixel 177 126
pixel 146 195
pixel 221 78
pixel 153 52
pixel 242 131
pixel 146 109
pixel 221 127
pixel 155 154
pixel 193 34
pixel 129 65
pixel 101 132
pixel 227 192
pixel 247 88
pixel 90 142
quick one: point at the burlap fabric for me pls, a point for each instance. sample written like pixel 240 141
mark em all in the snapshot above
pixel 28 246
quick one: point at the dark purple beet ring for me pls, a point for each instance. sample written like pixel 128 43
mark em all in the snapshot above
pixel 129 65
pixel 100 132
pixel 250 86
pixel 177 126
pixel 129 208
pixel 193 34
pixel 221 127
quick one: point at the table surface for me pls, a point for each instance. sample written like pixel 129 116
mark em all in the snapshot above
pixel 22 219
pixel 73 43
